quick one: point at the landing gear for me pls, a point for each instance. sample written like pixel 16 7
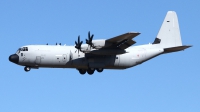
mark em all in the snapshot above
pixel 99 69
pixel 27 69
pixel 90 71
pixel 82 71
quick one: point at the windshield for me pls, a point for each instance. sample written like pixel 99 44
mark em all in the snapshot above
pixel 22 49
pixel 18 51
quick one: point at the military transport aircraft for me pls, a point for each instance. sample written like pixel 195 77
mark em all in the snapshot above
pixel 113 53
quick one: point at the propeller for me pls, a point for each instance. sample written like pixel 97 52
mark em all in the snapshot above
pixel 89 40
pixel 78 44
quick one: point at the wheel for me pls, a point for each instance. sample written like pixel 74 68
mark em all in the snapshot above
pixel 90 71
pixel 99 69
pixel 27 69
pixel 82 71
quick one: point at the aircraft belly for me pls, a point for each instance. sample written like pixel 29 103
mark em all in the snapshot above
pixel 95 62
pixel 126 60
pixel 151 53
pixel 134 57
pixel 99 62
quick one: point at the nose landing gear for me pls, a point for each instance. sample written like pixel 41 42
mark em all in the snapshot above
pixel 27 69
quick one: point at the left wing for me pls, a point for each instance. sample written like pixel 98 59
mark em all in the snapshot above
pixel 122 41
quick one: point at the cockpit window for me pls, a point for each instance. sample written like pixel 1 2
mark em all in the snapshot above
pixel 22 49
pixel 26 48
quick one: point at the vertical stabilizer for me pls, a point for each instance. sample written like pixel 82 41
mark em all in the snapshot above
pixel 169 34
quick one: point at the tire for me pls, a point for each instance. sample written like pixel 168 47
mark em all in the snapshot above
pixel 99 69
pixel 82 71
pixel 90 71
pixel 27 69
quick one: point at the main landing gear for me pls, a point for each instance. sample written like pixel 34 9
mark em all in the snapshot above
pixel 90 71
pixel 99 69
pixel 27 68
pixel 82 71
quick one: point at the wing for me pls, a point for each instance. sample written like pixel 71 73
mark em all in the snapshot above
pixel 116 45
pixel 122 41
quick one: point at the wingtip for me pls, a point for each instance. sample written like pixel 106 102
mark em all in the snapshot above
pixel 134 32
pixel 189 46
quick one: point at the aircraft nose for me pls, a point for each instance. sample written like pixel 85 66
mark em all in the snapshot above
pixel 14 58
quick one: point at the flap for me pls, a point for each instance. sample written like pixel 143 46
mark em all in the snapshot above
pixel 126 44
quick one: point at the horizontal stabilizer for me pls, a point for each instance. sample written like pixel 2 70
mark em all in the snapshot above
pixel 175 49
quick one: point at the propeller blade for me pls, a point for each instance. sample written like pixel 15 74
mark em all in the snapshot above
pixel 79 39
pixel 91 37
pixel 78 43
pixel 88 34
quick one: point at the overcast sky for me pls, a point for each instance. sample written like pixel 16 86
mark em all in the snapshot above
pixel 168 83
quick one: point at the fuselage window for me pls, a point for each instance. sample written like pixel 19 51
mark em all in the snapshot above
pixel 21 54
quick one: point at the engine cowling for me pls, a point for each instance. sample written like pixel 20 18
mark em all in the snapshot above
pixel 97 44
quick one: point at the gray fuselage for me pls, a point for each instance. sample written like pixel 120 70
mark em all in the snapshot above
pixel 56 56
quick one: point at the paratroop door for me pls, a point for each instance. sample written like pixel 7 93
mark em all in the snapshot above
pixel 38 60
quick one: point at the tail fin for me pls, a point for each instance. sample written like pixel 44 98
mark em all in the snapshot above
pixel 169 34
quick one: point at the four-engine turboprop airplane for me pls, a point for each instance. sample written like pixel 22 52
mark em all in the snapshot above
pixel 113 53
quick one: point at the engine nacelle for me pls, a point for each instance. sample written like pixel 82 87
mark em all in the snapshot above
pixel 100 43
